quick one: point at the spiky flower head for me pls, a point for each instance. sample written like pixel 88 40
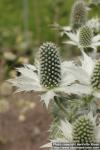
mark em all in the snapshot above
pixel 83 130
pixel 85 36
pixel 95 78
pixel 78 14
pixel 50 65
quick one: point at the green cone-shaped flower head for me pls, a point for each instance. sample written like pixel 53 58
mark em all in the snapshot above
pixel 85 36
pixel 83 130
pixel 50 65
pixel 95 78
pixel 78 14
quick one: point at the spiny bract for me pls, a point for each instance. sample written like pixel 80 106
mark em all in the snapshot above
pixel 50 65
pixel 78 14
pixel 55 132
pixel 85 36
pixel 95 78
pixel 83 130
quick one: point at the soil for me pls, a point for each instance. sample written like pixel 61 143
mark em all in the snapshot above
pixel 28 134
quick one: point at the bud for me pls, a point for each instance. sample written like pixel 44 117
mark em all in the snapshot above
pixel 85 36
pixel 83 131
pixel 95 78
pixel 50 65
pixel 78 14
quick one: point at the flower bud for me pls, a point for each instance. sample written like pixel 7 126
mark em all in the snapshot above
pixel 78 14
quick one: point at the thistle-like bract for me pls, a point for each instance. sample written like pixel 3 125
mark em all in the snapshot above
pixel 95 78
pixel 83 130
pixel 50 65
pixel 85 36
pixel 78 14
pixel 54 130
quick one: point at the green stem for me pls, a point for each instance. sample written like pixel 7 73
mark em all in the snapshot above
pixel 60 105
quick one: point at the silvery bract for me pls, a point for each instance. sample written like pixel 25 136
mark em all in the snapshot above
pixel 88 76
pixel 94 24
pixel 49 77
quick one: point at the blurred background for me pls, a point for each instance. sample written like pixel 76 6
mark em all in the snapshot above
pixel 24 26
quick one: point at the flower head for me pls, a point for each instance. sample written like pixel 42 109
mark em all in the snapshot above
pixel 78 14
pixel 84 38
pixel 50 66
pixel 83 130
pixel 78 18
pixel 95 78
pixel 48 78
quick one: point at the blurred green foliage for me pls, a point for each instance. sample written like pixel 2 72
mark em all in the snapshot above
pixel 41 15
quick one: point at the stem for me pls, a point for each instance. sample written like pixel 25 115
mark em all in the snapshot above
pixel 60 105
pixel 94 52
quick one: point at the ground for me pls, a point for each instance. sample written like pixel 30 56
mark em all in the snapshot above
pixel 29 134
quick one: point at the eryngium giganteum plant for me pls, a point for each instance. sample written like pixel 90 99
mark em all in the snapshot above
pixel 77 83
pixel 48 78
pixel 84 38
